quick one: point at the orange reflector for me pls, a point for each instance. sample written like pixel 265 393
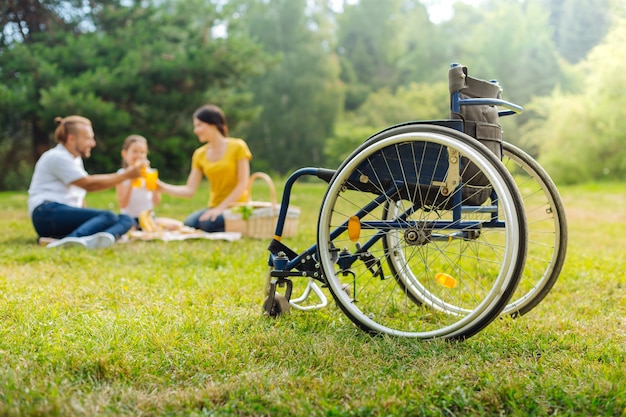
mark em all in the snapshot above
pixel 354 228
pixel 445 280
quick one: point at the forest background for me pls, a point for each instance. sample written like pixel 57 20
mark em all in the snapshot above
pixel 305 81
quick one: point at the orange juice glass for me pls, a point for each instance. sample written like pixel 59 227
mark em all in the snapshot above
pixel 152 175
pixel 138 182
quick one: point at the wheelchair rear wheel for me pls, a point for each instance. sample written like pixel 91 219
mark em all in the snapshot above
pixel 547 230
pixel 424 257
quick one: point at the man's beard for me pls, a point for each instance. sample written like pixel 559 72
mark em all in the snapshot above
pixel 85 153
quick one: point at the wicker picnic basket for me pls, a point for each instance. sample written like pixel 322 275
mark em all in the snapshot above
pixel 257 219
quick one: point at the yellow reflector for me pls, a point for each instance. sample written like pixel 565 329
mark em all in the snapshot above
pixel 445 280
pixel 354 228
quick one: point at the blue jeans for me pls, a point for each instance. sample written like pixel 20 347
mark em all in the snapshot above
pixel 59 220
pixel 216 225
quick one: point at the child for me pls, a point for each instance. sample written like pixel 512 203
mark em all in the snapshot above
pixel 134 197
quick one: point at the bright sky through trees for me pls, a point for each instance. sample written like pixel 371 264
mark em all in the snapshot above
pixel 438 10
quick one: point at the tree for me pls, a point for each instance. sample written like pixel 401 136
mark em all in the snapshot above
pixel 139 69
pixel 370 44
pixel 384 108
pixel 428 50
pixel 511 42
pixel 580 136
pixel 579 25
pixel 300 96
pixel 24 23
pixel 23 20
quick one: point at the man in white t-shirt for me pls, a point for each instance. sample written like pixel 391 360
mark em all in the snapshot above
pixel 56 196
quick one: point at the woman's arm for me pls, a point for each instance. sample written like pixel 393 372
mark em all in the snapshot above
pixel 156 198
pixel 185 191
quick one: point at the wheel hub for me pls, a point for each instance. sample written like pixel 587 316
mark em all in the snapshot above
pixel 415 236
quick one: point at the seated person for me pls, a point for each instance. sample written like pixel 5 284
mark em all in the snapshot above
pixel 56 196
pixel 223 160
pixel 141 194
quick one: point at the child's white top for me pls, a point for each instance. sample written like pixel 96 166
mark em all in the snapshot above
pixel 140 200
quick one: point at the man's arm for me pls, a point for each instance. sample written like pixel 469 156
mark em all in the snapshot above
pixel 100 182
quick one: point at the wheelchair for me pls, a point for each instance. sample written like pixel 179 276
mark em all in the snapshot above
pixel 429 229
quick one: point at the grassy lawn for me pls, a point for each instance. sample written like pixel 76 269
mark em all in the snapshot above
pixel 155 328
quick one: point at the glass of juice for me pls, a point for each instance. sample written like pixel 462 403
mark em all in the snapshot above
pixel 152 175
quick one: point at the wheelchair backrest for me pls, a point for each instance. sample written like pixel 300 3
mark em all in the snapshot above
pixel 480 121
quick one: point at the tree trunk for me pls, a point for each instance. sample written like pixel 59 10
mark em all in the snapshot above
pixel 41 142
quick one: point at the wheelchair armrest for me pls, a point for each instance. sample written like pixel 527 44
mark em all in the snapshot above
pixel 512 107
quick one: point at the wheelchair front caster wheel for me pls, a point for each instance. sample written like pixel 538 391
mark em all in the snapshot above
pixel 280 305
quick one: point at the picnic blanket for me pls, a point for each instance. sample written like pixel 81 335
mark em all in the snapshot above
pixel 183 233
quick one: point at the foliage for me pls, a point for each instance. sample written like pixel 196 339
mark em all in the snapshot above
pixel 413 102
pixel 162 329
pixel 144 71
pixel 428 50
pixel 383 109
pixel 522 57
pixel 346 138
pixel 25 21
pixel 244 211
pixel 369 41
pixel 300 97
pixel 579 25
pixel 554 130
pixel 301 81
pixel 590 124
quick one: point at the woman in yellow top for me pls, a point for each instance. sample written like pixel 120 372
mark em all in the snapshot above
pixel 223 160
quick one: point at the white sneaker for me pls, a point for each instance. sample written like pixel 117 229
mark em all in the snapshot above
pixel 99 240
pixel 67 242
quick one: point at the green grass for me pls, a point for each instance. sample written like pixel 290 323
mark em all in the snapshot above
pixel 154 328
